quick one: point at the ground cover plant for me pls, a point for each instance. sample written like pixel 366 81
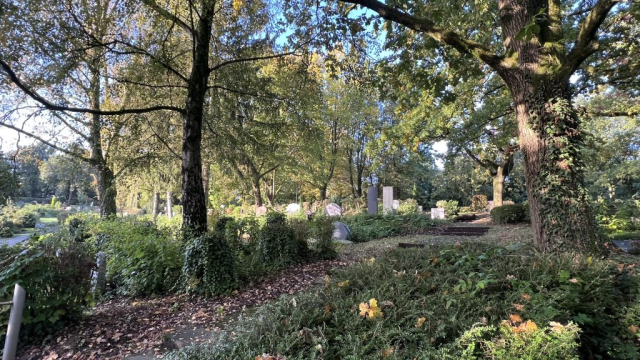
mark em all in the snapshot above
pixel 368 227
pixel 449 302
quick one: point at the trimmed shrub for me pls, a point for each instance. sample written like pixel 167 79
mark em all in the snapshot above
pixel 141 259
pixel 321 230
pixel 5 232
pixel 451 207
pixel 408 206
pixel 25 219
pixel 368 227
pixel 508 214
pixel 209 265
pixel 56 274
pixel 479 203
pixel 278 244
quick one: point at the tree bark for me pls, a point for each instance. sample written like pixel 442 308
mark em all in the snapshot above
pixel 323 192
pixel 169 204
pixel 498 186
pixel 206 173
pixel 107 191
pixel 156 204
pixel 194 210
pixel 550 139
pixel 257 192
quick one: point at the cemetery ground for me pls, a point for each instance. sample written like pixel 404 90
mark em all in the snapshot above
pixel 282 313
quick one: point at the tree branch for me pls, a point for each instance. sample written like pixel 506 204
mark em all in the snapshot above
pixel 50 106
pixel 48 143
pixel 424 25
pixel 167 15
pixel 586 42
pixel 255 58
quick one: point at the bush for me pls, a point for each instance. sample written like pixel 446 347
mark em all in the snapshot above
pixel 466 210
pixel 408 206
pixel 209 265
pixel 278 244
pixel 451 208
pixel 56 274
pixel 449 302
pixel 25 219
pixel 508 214
pixel 321 230
pixel 5 232
pixel 368 227
pixel 141 259
pixel 479 203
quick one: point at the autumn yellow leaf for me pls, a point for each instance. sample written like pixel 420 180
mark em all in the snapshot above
pixel 556 327
pixel 343 284
pixel 370 310
pixel 238 4
pixel 515 319
pixel 526 297
pixel 387 352
pixel 327 309
pixel 420 322
pixel 435 261
pixel 527 326
pixel 634 329
pixel 518 307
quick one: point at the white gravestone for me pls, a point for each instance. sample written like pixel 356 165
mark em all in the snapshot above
pixel 333 210
pixel 437 213
pixel 387 199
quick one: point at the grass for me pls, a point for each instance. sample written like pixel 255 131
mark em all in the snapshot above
pixel 627 235
pixel 49 221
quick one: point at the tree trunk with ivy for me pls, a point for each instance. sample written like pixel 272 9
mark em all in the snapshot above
pixel 537 63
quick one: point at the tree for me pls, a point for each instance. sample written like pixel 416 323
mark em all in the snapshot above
pixel 543 43
pixel 174 40
pixel 67 175
pixel 8 182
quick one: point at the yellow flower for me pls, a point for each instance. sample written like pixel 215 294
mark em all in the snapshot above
pixel 370 310
pixel 343 283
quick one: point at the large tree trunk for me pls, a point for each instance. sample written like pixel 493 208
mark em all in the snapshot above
pixel 257 192
pixel 194 210
pixel 169 204
pixel 107 192
pixel 156 204
pixel 323 192
pixel 550 139
pixel 206 172
pixel 498 186
pixel 548 130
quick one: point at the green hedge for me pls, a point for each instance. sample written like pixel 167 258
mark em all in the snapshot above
pixel 509 214
pixel 56 275
pixel 470 301
pixel 368 227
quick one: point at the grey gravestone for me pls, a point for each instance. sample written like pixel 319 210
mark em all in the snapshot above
pixel 628 246
pixel 420 209
pixel 387 199
pixel 101 273
pixel 437 213
pixel 490 205
pixel 396 204
pixel 333 210
pixel 340 231
pixel 372 200
pixel 293 208
pixel 261 210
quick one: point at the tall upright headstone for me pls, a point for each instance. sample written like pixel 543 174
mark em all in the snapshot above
pixel 372 200
pixel 387 199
